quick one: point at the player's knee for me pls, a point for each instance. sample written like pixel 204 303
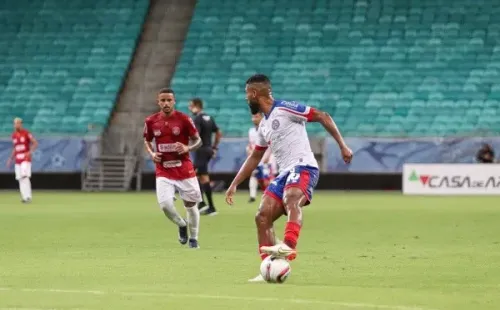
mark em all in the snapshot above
pixel 166 204
pixel 189 204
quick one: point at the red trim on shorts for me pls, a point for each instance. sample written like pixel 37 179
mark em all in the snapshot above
pixel 303 184
pixel 273 196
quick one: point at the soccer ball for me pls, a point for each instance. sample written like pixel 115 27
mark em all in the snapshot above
pixel 275 270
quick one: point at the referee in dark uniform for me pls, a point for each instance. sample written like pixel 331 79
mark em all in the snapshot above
pixel 206 127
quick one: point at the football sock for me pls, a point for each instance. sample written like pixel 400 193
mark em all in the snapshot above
pixel 171 213
pixel 208 192
pixel 253 184
pixel 193 218
pixel 28 188
pixel 25 188
pixel 292 231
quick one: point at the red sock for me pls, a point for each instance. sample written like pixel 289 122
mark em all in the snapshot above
pixel 292 231
pixel 262 255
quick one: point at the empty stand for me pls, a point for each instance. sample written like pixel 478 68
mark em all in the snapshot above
pixel 62 62
pixel 381 67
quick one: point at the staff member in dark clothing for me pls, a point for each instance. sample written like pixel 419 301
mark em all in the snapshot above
pixel 486 155
pixel 206 127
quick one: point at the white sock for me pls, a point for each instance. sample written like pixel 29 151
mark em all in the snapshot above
pixel 28 188
pixel 193 217
pixel 253 185
pixel 21 189
pixel 25 188
pixel 171 213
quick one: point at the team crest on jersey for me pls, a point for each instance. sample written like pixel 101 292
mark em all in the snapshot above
pixel 275 124
pixel 157 133
pixel 176 130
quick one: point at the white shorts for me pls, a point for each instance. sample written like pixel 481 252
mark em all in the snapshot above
pixel 189 189
pixel 23 170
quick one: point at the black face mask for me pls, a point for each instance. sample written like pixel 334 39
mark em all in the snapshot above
pixel 254 107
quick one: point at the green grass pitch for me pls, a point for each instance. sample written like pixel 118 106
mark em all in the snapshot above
pixel 356 251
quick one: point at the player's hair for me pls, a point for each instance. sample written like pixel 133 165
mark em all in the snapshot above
pixel 166 90
pixel 18 119
pixel 197 102
pixel 259 78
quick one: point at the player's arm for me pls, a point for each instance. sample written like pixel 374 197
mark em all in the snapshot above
pixel 194 138
pixel 267 156
pixel 249 165
pixel 34 143
pixel 327 122
pixel 148 145
pixel 195 142
pixel 11 157
pixel 218 135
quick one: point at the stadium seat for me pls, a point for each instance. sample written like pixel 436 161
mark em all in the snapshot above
pixel 62 62
pixel 391 68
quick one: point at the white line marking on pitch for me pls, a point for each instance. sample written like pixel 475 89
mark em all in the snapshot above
pixel 202 296
pixel 26 308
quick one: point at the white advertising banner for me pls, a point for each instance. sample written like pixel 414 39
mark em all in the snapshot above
pixel 451 179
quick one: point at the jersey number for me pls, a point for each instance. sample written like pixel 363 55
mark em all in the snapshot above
pixel 293 177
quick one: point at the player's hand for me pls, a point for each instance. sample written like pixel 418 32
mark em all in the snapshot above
pixel 156 157
pixel 229 194
pixel 346 154
pixel 181 148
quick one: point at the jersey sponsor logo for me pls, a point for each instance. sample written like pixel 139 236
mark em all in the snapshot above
pixel 206 118
pixel 167 147
pixel 290 104
pixel 20 147
pixel 172 164
pixel 176 130
pixel 275 124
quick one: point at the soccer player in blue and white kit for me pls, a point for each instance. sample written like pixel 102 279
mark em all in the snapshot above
pixel 283 130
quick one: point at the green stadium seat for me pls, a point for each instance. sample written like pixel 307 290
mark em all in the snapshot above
pixel 61 59
pixel 381 68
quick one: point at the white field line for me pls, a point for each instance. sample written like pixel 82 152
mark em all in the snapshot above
pixel 353 305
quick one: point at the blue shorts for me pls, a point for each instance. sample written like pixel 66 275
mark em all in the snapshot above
pixel 262 172
pixel 304 177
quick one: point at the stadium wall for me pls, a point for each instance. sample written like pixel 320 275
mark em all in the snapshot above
pixel 377 162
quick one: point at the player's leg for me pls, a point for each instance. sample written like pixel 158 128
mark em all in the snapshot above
pixel 207 189
pixel 298 193
pixel 202 160
pixel 271 208
pixel 165 192
pixel 17 169
pixel 253 183
pixel 198 166
pixel 190 193
pixel 26 180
